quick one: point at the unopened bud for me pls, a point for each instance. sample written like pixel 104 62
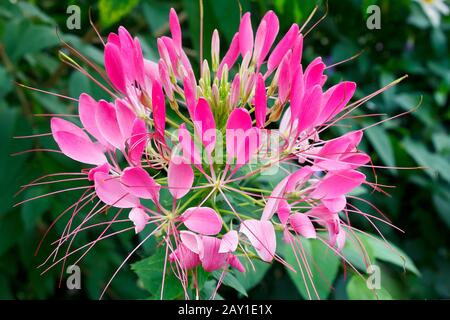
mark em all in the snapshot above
pixel 206 73
pixel 215 50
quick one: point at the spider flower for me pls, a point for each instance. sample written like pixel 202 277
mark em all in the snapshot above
pixel 256 110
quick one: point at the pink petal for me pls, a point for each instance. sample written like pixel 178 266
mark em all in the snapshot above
pixel 110 190
pixel 185 257
pixel 284 79
pixel 231 56
pixel 297 179
pixel 137 141
pixel 139 183
pixel 314 73
pixel 335 99
pixel 284 210
pixel 175 28
pixel 165 79
pixel 338 183
pixel 114 39
pixel 235 91
pixel 190 95
pixel 262 237
pixel 260 102
pixel 205 124
pixel 191 240
pixel 173 54
pixel 238 123
pixel 159 109
pixel 180 177
pixel 127 53
pixel 302 225
pixel 125 118
pixel 259 42
pixel 246 35
pixel 252 142
pixel 275 197
pixel 79 149
pixel 151 70
pixel 139 69
pixel 341 153
pixel 139 218
pixel 58 124
pixel 107 124
pixel 113 66
pixel 189 148
pixel 210 257
pixel 297 52
pixel 103 168
pixel 87 108
pixel 234 261
pixel 310 108
pixel 297 94
pixel 335 204
pixel 272 27
pixel 202 220
pixel 282 48
pixel 229 242
pixel 340 239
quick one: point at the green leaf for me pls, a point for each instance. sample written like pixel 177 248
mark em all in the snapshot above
pixel 230 281
pixel 6 81
pixel 111 11
pixel 33 210
pixel 10 230
pixel 357 289
pixel 322 261
pixel 23 38
pixel 358 251
pixel 250 278
pixel 380 141
pixel 390 253
pixel 150 271
pixel 434 162
pixel 441 200
pixel 208 291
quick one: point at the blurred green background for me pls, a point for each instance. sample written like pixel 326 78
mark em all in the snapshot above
pixel 406 43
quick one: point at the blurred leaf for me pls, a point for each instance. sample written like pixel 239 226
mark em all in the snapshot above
pixel 358 251
pixel 156 14
pixel 322 261
pixel 250 278
pixel 382 145
pixel 357 289
pixel 441 200
pixel 33 210
pixel 12 168
pixel 390 253
pixel 22 37
pixel 6 82
pixel 10 230
pixel 111 11
pixel 425 158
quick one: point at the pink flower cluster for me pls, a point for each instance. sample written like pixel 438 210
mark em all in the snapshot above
pixel 269 85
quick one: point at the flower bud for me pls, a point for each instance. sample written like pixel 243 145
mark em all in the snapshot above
pixel 215 50
pixel 206 73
